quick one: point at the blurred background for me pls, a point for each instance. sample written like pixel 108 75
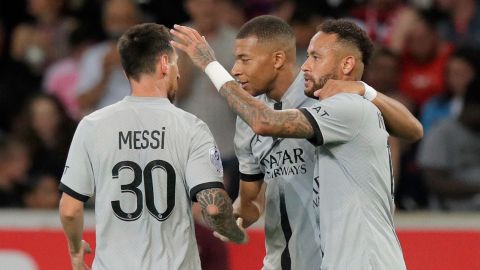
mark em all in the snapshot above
pixel 58 62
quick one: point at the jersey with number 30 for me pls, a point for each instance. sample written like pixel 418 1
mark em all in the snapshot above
pixel 145 160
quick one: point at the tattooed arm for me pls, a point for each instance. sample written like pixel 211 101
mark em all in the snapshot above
pixel 217 211
pixel 262 119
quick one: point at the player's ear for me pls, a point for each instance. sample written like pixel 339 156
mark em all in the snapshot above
pixel 162 64
pixel 348 64
pixel 279 59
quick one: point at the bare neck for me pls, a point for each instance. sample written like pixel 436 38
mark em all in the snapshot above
pixel 147 86
pixel 284 79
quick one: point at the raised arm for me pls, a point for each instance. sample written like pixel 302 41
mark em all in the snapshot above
pixel 399 120
pixel 262 119
pixel 250 202
pixel 218 213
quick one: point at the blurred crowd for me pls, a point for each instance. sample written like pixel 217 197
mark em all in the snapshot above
pixel 58 62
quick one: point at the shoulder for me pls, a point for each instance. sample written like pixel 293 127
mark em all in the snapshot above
pixel 190 121
pixel 106 112
pixel 346 102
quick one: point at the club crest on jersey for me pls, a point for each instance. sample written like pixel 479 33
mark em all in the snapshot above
pixel 216 159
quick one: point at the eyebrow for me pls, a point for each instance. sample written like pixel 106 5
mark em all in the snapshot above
pixel 242 55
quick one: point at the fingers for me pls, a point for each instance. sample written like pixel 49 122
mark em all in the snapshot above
pixel 188 31
pixel 86 247
pixel 221 237
pixel 181 37
pixel 240 223
pixel 178 45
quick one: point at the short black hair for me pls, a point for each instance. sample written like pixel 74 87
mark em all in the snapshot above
pixel 141 46
pixel 468 54
pixel 349 32
pixel 266 27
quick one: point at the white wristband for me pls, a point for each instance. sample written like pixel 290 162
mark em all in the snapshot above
pixel 218 74
pixel 370 93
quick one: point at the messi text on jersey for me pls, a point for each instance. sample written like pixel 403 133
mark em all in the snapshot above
pixel 141 139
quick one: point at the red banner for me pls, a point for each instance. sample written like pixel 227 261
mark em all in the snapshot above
pixel 423 250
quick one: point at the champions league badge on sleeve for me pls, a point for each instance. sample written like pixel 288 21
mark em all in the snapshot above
pixel 216 159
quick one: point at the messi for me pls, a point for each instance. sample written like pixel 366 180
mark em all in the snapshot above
pixel 141 139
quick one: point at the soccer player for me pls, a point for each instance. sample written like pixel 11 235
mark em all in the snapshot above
pixel 286 165
pixel 146 161
pixel 352 185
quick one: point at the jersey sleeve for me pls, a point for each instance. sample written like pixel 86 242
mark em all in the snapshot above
pixel 204 166
pixel 78 180
pixel 336 119
pixel 248 164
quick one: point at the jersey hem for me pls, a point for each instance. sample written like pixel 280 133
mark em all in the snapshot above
pixel 198 188
pixel 64 188
pixel 251 177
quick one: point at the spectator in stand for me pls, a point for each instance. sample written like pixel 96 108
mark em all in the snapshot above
pixel 385 21
pixel 44 40
pixel 61 77
pixel 48 132
pixel 232 13
pixel 41 192
pixel 423 61
pixel 101 81
pixel 17 84
pixel 14 164
pixel 450 157
pixel 463 66
pixel 462 25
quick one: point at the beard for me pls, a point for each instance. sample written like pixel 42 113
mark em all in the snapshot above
pixel 171 95
pixel 319 84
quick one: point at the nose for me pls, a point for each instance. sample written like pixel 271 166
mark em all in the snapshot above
pixel 306 65
pixel 235 70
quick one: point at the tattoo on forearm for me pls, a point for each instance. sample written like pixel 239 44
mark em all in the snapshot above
pixel 224 221
pixel 286 123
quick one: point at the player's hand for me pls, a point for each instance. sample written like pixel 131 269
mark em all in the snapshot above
pixel 248 218
pixel 226 239
pixel 78 259
pixel 193 44
pixel 333 87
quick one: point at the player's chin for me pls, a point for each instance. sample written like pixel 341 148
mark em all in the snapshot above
pixel 309 90
pixel 253 92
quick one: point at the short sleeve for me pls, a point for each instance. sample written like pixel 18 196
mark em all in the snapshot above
pixel 434 148
pixel 78 180
pixel 204 165
pixel 248 164
pixel 336 119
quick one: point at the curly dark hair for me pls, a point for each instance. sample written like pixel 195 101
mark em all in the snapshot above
pixel 349 32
